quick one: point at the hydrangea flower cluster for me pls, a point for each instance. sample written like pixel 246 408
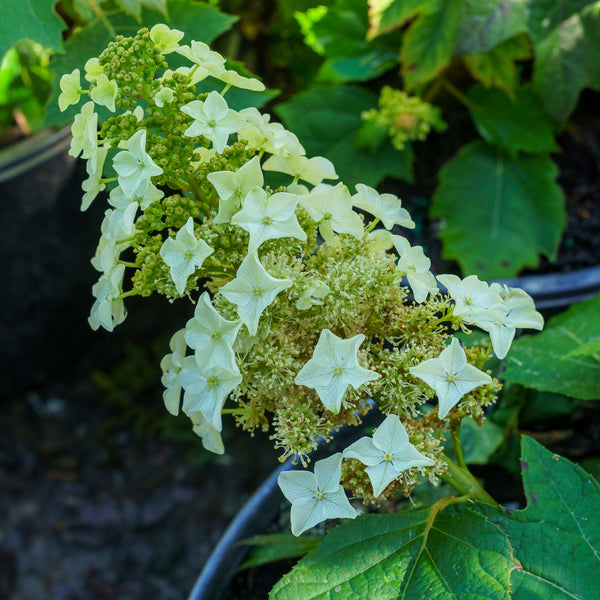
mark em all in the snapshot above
pixel 304 311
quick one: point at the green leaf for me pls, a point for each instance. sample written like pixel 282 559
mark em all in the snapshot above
pixel 339 32
pixel 388 15
pixel 429 43
pixel 479 442
pixel 497 67
pixel 327 120
pixel 556 538
pixel 134 7
pixel 273 547
pixel 32 19
pixel 383 557
pixel 498 213
pixel 518 125
pixel 566 37
pixel 586 349
pixel 486 23
pixel 198 21
pixel 543 361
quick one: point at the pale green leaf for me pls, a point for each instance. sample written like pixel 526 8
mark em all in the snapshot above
pixel 498 213
pixel 385 557
pixel 33 20
pixel 556 538
pixel 388 15
pixel 518 125
pixel 327 120
pixel 550 361
pixel 497 68
pixel 273 547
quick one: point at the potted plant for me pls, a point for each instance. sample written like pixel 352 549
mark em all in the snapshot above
pixel 302 319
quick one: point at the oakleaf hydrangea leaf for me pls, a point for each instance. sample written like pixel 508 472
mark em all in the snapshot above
pixel 511 210
pixel 385 557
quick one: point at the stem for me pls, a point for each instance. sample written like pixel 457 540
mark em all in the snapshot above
pixel 455 433
pixel 458 94
pixel 464 482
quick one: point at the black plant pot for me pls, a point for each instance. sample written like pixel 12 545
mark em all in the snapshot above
pixel 46 245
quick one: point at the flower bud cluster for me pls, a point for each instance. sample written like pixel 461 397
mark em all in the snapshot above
pixel 304 311
pixel 406 118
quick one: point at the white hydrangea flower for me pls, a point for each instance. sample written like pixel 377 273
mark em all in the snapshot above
pixel 93 69
pixel 165 37
pixel 232 187
pixel 70 85
pixel 233 78
pixel 386 207
pixel 183 254
pixel 145 195
pixel 213 119
pixel 135 166
pixel 313 295
pixel 171 365
pixel 211 437
pixel 208 61
pixel 105 92
pixel 206 389
pixel 211 336
pixel 331 207
pixel 85 132
pixel 269 217
pixel 108 310
pixel 333 367
pixel 263 135
pixel 517 311
pixel 93 185
pixel 316 497
pixel 163 96
pixel 387 453
pixel 122 219
pixel 450 375
pixel 312 170
pixel 472 297
pixel 252 290
pixel 415 266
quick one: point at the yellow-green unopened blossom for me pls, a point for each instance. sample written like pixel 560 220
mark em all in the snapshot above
pixel 269 217
pixel 312 170
pixel 386 207
pixel 450 375
pixel 232 187
pixel 211 336
pixel 165 37
pixel 135 166
pixel 206 389
pixel 105 92
pixel 183 254
pixel 331 207
pixel 252 290
pixel 333 367
pixel 171 365
pixel 70 85
pixel 316 497
pixel 213 119
pixel 387 453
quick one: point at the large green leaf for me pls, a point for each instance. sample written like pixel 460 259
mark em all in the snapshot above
pixel 326 120
pixel 549 361
pixel 30 19
pixel 461 554
pixel 429 43
pixel 556 538
pixel 497 67
pixel 518 125
pixel 198 21
pixel 498 213
pixel 388 15
pixel 566 37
